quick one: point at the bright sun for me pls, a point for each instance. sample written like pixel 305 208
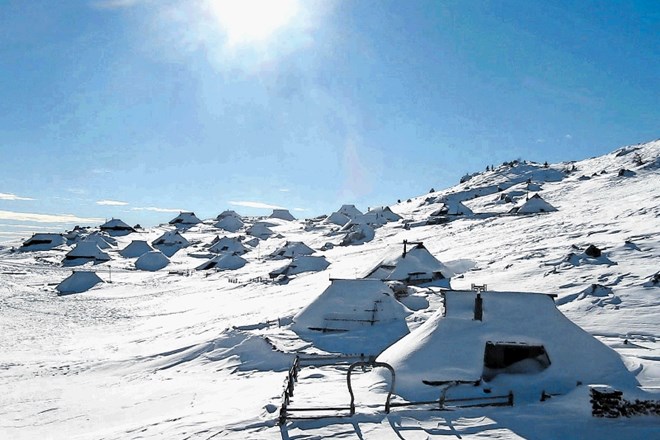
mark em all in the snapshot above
pixel 252 21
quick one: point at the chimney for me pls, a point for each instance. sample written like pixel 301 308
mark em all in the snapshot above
pixel 478 307
pixel 405 243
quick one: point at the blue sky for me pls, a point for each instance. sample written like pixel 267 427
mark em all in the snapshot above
pixel 138 108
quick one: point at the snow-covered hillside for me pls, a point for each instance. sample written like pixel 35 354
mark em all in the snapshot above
pixel 175 352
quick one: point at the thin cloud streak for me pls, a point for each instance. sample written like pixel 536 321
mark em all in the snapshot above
pixel 258 205
pixel 111 203
pixel 46 218
pixel 156 209
pixel 9 196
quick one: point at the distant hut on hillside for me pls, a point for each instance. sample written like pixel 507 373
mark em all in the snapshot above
pixel 228 245
pixel 415 265
pixel 282 214
pixel 260 230
pixel 534 205
pixel 42 242
pixel 292 249
pixel 170 242
pixel 135 249
pixel 185 219
pixel 229 223
pixel 223 262
pixel 116 227
pixel 350 211
pixel 152 261
pixel 78 282
pixel 85 252
pixel 301 264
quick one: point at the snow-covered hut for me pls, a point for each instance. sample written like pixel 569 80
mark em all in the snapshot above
pixel 185 219
pixel 152 261
pixel 260 230
pixel 383 212
pixel 229 223
pixel 534 205
pixel 77 282
pixel 229 213
pixel 452 207
pixel 228 245
pixel 414 264
pixel 135 249
pixel 42 242
pixel 303 263
pixel 103 241
pixel 116 227
pixel 170 242
pixel 84 252
pixel 224 262
pixel 337 218
pixel 357 233
pixel 352 314
pixel 350 211
pixel 513 341
pixel 282 214
pixel 291 249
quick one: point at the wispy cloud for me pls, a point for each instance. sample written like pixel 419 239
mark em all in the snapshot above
pixel 259 205
pixel 113 4
pixel 111 203
pixel 34 227
pixel 156 209
pixel 46 218
pixel 8 196
pixel 300 209
pixel 568 136
pixel 284 190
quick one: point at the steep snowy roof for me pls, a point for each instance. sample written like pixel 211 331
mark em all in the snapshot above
pixel 77 282
pixel 87 249
pixel 103 241
pixel 185 218
pixel 304 263
pixel 171 238
pixel 152 261
pixel 42 242
pixel 337 218
pixel 452 347
pixel 366 309
pixel 135 249
pixel 384 212
pixel 283 214
pixel 259 230
pixel 229 223
pixel 350 211
pixel 535 204
pixel 416 263
pixel 292 249
pixel 228 213
pixel 224 262
pixel 115 224
pixel 228 245
pixel 452 207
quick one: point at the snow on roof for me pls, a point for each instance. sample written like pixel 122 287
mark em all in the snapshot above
pixel 228 245
pixel 224 262
pixel 229 223
pixel 384 212
pixel 357 233
pixel 171 238
pixel 228 213
pixel 416 264
pixel 185 218
pixel 87 250
pixel 535 204
pixel 350 211
pixel 337 218
pixel 452 347
pixel 303 263
pixel 283 214
pixel 115 224
pixel 101 241
pixel 77 282
pixel 152 261
pixel 135 249
pixel 259 230
pixel 42 242
pixel 291 249
pixel 366 309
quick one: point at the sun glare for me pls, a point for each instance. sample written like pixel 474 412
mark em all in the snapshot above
pixel 253 21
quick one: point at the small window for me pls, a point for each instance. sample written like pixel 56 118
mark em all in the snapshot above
pixel 513 358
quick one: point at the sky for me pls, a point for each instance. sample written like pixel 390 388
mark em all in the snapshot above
pixel 137 109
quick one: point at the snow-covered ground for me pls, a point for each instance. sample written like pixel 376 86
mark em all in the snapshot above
pixel 179 353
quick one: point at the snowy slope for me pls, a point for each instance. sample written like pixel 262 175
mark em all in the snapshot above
pixel 179 353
